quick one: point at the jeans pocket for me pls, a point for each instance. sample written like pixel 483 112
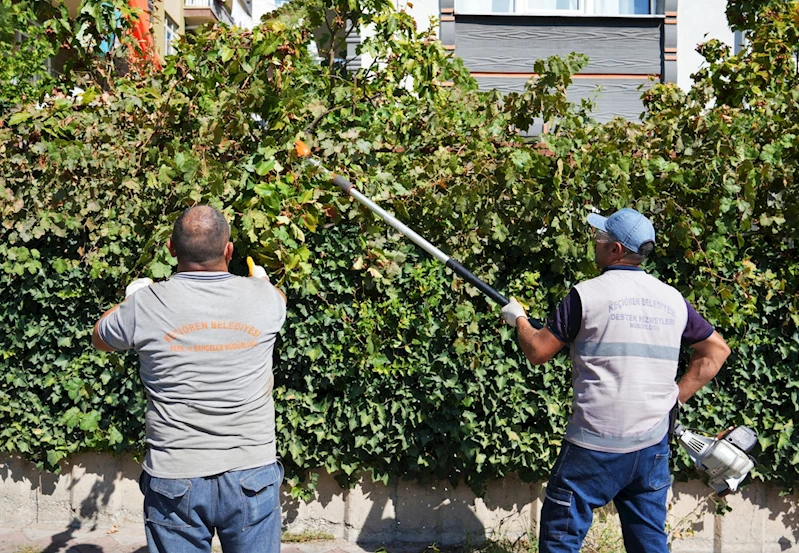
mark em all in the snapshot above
pixel 167 502
pixel 660 476
pixel 261 493
pixel 556 513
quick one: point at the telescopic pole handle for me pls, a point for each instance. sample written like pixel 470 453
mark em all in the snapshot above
pixel 348 188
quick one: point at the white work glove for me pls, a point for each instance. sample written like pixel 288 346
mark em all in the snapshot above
pixel 137 285
pixel 256 270
pixel 513 311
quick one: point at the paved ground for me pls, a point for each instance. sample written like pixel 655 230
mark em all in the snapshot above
pixel 127 539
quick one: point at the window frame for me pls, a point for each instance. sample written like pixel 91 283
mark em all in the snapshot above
pixel 585 9
pixel 582 6
pixel 171 33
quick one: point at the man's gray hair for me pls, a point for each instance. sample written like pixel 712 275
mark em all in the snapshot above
pixel 639 256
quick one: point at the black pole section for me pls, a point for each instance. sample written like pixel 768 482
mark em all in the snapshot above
pixel 498 298
pixel 469 277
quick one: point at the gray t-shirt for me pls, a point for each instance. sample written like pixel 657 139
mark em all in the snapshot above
pixel 205 342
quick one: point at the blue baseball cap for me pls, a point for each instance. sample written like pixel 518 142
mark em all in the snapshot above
pixel 627 226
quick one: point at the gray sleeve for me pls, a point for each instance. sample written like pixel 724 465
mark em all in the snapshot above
pixel 117 329
pixel 281 304
pixel 274 304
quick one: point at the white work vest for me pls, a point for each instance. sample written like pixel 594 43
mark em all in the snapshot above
pixel 624 361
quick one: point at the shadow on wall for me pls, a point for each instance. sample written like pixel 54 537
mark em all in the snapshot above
pixel 785 508
pixel 87 491
pixel 411 514
pixel 92 485
pixel 96 491
pixel 86 495
pixel 691 512
pixel 757 515
pixel 406 513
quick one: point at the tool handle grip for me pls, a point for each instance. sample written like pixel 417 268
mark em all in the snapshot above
pixel 343 183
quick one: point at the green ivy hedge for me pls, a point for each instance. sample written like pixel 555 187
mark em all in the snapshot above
pixel 388 363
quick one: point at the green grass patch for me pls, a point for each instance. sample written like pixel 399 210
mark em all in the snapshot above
pixel 28 549
pixel 604 536
pixel 308 535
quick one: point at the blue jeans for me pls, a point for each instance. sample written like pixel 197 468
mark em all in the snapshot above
pixel 182 514
pixel 583 480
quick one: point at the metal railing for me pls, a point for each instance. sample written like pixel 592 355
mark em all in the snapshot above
pixel 219 9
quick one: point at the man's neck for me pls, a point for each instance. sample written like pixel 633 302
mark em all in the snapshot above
pixel 202 267
pixel 624 263
pixel 621 266
pixel 620 263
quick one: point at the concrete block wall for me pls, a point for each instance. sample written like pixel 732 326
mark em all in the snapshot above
pixel 100 491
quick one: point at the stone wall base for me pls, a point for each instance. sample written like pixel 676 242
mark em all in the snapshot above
pixel 101 490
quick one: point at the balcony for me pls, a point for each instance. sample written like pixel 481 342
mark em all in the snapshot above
pixel 198 12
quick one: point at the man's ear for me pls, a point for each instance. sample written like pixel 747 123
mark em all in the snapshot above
pixel 229 251
pixel 617 252
pixel 171 248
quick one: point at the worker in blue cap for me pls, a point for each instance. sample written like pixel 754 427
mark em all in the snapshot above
pixel 624 329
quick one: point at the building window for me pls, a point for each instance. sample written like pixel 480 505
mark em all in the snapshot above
pixel 553 5
pixel 557 7
pixel 170 35
pixel 622 7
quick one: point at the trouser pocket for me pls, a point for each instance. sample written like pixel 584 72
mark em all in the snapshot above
pixel 556 513
pixel 261 493
pixel 660 476
pixel 167 501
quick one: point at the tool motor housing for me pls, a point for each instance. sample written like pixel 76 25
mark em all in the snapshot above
pixel 724 458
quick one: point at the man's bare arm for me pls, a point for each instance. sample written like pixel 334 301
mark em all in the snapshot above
pixel 97 342
pixel 708 357
pixel 539 346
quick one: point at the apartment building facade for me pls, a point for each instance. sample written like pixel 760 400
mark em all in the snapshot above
pixel 165 20
pixel 173 18
pixel 630 43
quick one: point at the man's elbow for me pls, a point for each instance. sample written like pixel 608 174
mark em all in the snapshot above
pixel 714 351
pixel 541 347
pixel 537 359
pixel 723 351
pixel 726 351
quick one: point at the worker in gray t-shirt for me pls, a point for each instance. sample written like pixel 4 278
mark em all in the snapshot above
pixel 205 340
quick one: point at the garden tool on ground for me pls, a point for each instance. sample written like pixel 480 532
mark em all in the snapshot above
pixel 349 189
pixel 724 457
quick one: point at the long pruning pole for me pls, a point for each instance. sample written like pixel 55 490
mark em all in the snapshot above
pixel 349 189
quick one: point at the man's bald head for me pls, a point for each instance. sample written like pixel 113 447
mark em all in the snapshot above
pixel 200 235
